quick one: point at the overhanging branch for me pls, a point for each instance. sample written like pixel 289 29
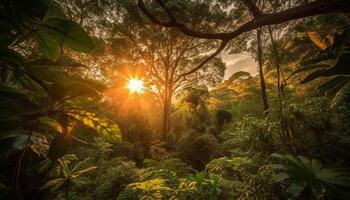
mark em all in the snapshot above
pixel 218 50
pixel 310 9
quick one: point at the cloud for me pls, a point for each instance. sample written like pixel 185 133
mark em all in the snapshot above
pixel 239 62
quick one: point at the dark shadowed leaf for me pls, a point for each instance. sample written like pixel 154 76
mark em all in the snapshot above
pixel 47 44
pixel 59 146
pixel 69 34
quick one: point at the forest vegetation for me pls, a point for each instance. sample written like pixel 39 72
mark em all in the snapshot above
pixel 128 100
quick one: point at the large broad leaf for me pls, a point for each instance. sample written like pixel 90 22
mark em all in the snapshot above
pixel 68 88
pixel 19 101
pixel 104 126
pixel 69 34
pixel 333 83
pixel 296 188
pixel 34 9
pixel 47 44
pixel 57 181
pixel 47 73
pixel 8 119
pixel 10 56
pixel 26 81
pixel 62 61
pixel 340 68
pixel 342 96
pixel 311 67
pixel 317 40
pixel 51 123
pixel 59 146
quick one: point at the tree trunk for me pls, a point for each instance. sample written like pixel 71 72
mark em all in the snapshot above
pixel 167 112
pixel 278 69
pixel 261 74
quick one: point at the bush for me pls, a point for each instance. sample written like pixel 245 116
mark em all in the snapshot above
pixel 113 176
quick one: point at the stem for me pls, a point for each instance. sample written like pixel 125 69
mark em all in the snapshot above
pixel 261 74
pixel 18 173
pixel 278 69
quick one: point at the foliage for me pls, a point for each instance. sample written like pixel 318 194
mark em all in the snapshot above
pixel 189 135
pixel 197 149
pixel 259 185
pixel 331 62
pixel 222 117
pixel 173 164
pixel 250 135
pixel 309 176
pixel 69 176
pixel 40 93
pixel 112 176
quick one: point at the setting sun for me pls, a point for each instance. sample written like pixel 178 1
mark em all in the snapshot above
pixel 135 85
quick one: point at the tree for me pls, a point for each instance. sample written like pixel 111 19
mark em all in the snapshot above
pixel 260 19
pixel 169 59
pixel 261 73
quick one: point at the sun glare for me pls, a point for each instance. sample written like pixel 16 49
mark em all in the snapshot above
pixel 135 85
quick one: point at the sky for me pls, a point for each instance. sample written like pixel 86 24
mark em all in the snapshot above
pixel 238 62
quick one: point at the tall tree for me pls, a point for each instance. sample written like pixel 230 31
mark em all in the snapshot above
pixel 170 59
pixel 261 73
pixel 257 20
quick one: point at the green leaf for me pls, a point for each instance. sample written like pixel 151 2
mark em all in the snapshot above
pixel 11 134
pixel 340 68
pixel 58 90
pixel 83 171
pixel 342 96
pixel 296 188
pixel 281 177
pixel 47 73
pixel 333 83
pixel 69 87
pixel 104 126
pixel 51 183
pixel 9 123
pixel 69 34
pixel 49 122
pixel 19 101
pixel 310 67
pixel 10 56
pixel 313 76
pixel 20 142
pixel 26 81
pixel 63 61
pixel 47 44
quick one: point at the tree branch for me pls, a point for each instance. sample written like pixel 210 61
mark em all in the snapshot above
pixel 221 47
pixel 310 9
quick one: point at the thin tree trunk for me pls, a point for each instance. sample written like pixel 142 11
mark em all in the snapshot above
pixel 278 69
pixel 261 74
pixel 167 112
pixel 288 139
pixel 19 165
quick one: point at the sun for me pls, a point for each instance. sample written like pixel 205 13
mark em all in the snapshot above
pixel 135 85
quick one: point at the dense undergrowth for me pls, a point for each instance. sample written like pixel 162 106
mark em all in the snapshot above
pixel 70 128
